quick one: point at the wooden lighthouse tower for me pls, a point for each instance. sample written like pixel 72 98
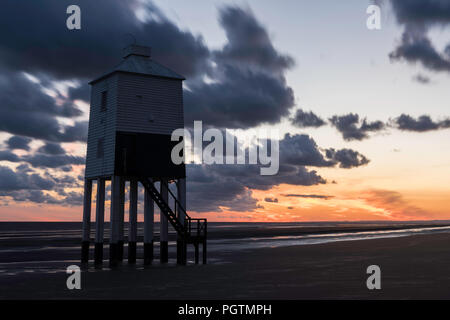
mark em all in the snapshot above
pixel 135 107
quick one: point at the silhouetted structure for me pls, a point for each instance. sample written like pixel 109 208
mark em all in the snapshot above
pixel 134 109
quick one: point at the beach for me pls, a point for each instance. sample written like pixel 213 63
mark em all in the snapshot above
pixel 413 266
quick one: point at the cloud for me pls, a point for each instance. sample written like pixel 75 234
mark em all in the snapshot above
pixel 24 184
pixel 352 128
pixel 394 205
pixel 241 85
pixel 423 123
pixel 46 48
pixel 19 180
pixel 421 79
pixel 422 12
pixel 347 158
pixel 44 160
pixel 6 155
pixel 248 85
pixel 304 119
pixel 211 187
pixel 418 17
pixel 231 186
pixel 52 161
pixel 303 150
pixel 82 92
pixel 51 148
pixel 268 199
pixel 17 142
pixel 417 48
pixel 23 101
pixel 249 42
pixel 312 196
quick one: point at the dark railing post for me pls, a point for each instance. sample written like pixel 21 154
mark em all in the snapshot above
pixel 204 242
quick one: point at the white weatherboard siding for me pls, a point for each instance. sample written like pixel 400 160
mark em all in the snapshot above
pixel 102 125
pixel 149 104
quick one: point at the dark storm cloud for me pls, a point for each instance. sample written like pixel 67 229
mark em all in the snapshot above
pixel 39 197
pixel 19 180
pixel 72 199
pixel 24 168
pixel 213 186
pixel 63 180
pixel 352 128
pixel 41 160
pixel 422 12
pixel 24 184
pixel 17 142
pixel 303 119
pixel 249 42
pixel 6 155
pixel 52 161
pixel 417 17
pixel 21 94
pixel 248 85
pixel 312 196
pixel 50 53
pixel 248 88
pixel 27 111
pixel 77 132
pixel 82 92
pixel 347 158
pixel 223 193
pixel 35 196
pixel 242 99
pixel 231 185
pixel 44 44
pixel 417 48
pixel 301 149
pixel 421 124
pixel 51 149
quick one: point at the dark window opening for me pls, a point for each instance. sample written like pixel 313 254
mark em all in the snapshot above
pixel 100 147
pixel 104 100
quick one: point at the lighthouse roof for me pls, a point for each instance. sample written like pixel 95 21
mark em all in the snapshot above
pixel 137 60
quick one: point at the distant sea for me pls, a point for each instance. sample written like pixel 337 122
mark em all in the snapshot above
pixel 49 247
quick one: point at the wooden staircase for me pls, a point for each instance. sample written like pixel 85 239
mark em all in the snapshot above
pixel 193 231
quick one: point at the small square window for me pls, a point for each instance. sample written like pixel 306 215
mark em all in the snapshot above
pixel 100 147
pixel 104 100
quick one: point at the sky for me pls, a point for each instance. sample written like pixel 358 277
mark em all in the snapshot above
pixel 363 114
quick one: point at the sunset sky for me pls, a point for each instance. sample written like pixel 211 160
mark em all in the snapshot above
pixel 363 114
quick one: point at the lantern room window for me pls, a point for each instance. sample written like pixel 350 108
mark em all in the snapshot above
pixel 100 148
pixel 104 100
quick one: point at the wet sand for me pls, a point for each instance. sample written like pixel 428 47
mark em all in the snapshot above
pixel 413 267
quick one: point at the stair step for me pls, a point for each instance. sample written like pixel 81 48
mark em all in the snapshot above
pixel 172 217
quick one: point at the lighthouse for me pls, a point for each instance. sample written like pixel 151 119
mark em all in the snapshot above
pixel 134 109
